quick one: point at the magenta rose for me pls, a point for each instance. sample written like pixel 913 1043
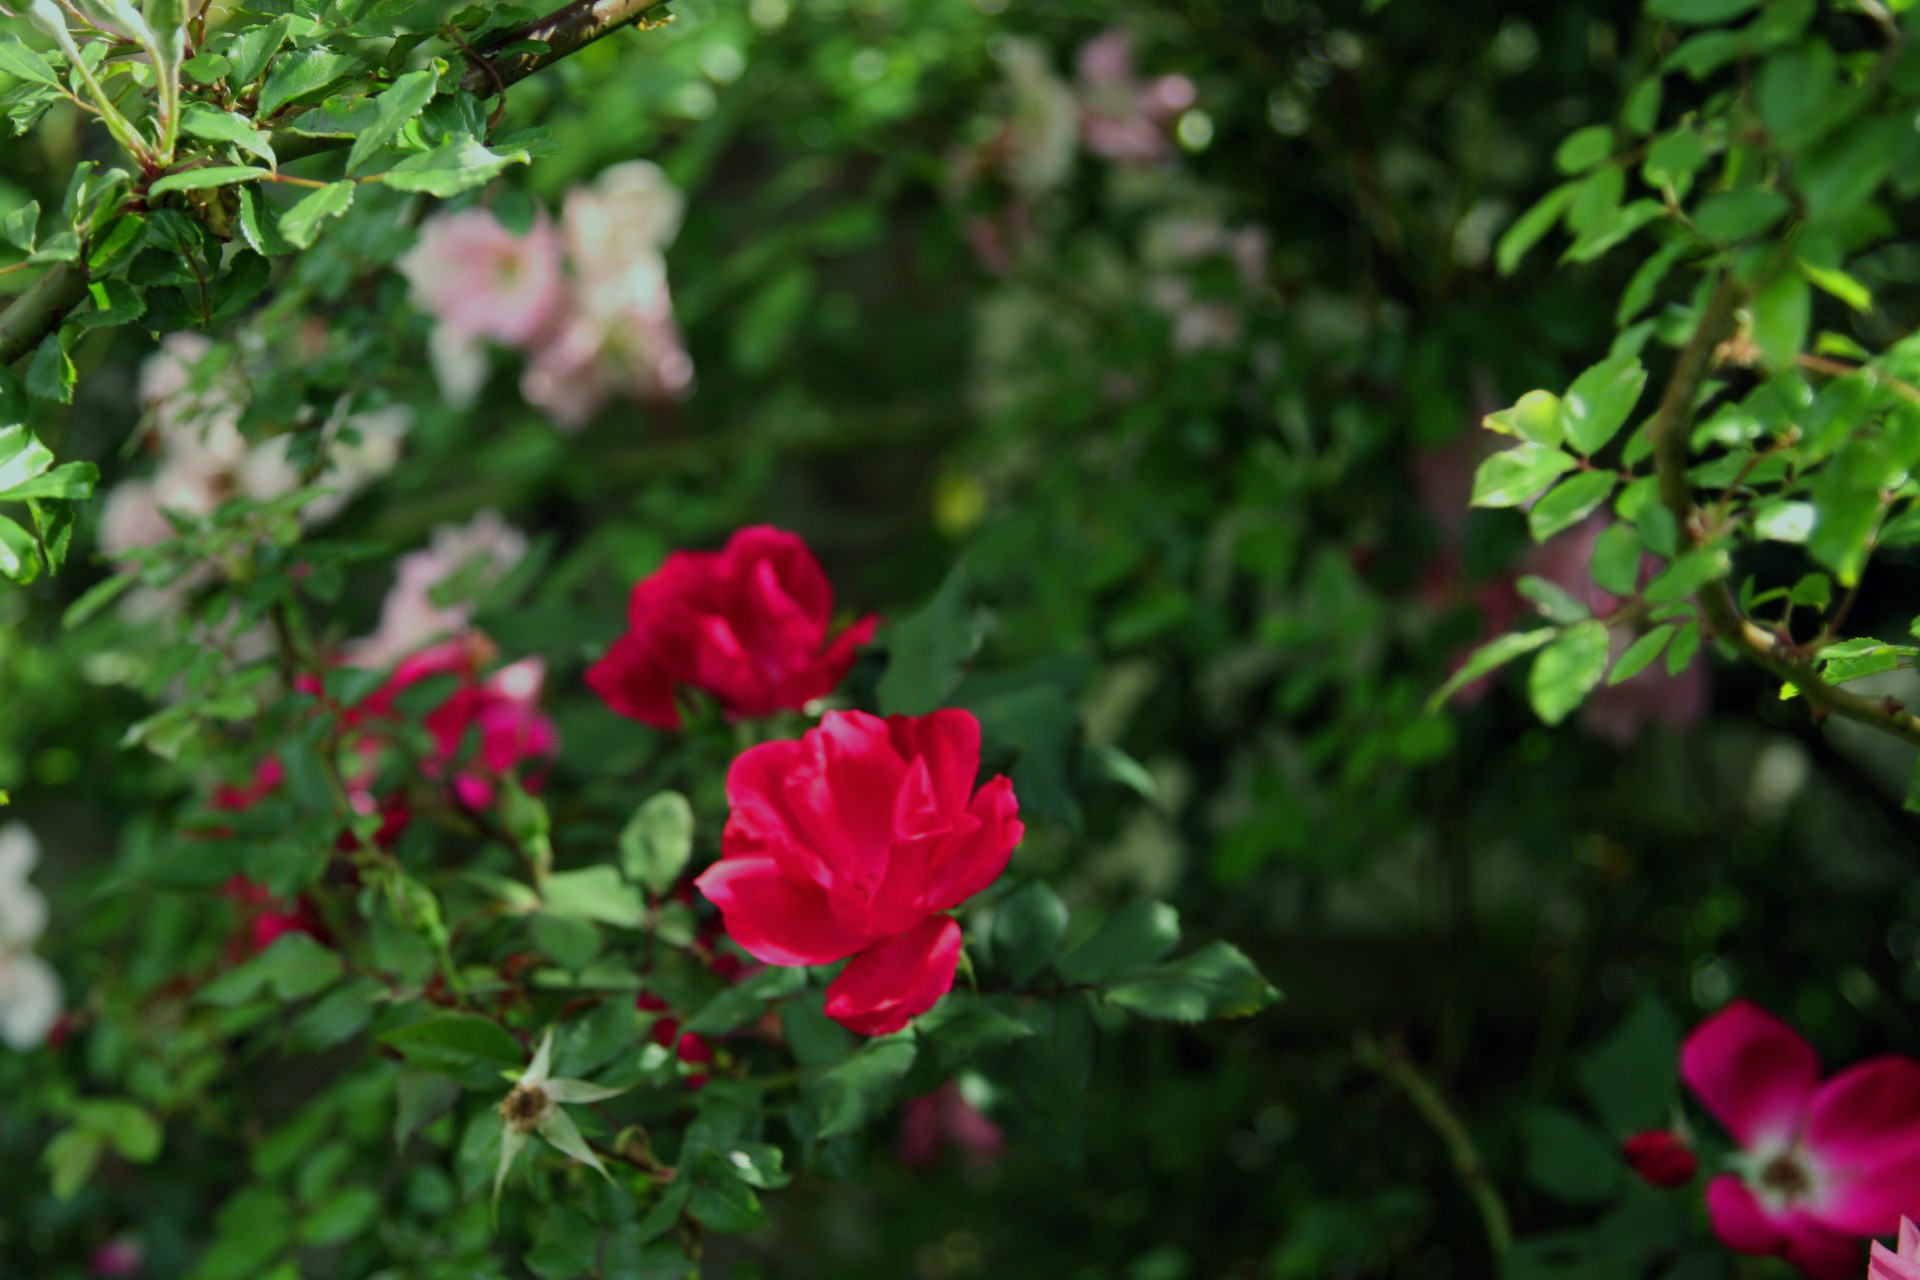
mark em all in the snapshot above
pixel 748 624
pixel 1822 1163
pixel 855 841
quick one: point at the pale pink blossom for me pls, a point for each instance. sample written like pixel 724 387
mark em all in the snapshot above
pixel 117 1259
pixel 1173 248
pixel 470 557
pixel 478 278
pixel 945 1118
pixel 1885 1264
pixel 1123 118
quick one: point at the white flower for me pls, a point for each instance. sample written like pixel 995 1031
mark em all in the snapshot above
pixel 29 988
pixel 533 1106
pixel 1045 129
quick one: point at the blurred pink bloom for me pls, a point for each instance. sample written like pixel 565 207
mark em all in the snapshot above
pixel 481 280
pixel 1821 1164
pixel 1884 1264
pixel 1122 118
pixel 1173 247
pixel 1662 1159
pixel 118 1258
pixel 945 1118
pixel 470 557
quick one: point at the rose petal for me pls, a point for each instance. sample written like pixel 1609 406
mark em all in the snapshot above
pixel 1865 1133
pixel 1883 1264
pixel 632 683
pixel 1753 1072
pixel 965 866
pixel 1823 1254
pixel 774 918
pixel 1739 1219
pixel 890 983
pixel 949 741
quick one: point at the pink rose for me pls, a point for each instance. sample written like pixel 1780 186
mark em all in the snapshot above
pixel 945 1118
pixel 1821 1163
pixel 855 841
pixel 482 281
pixel 1883 1264
pixel 747 624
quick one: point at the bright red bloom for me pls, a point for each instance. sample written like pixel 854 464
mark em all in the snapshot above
pixel 854 841
pixel 1821 1164
pixel 265 918
pixel 1663 1159
pixel 1884 1264
pixel 747 624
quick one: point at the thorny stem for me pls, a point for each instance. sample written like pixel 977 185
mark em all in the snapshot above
pixel 1393 1068
pixel 43 306
pixel 1723 617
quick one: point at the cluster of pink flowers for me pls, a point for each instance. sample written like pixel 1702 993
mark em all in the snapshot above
pixel 1820 1163
pixel 586 302
pixel 1122 117
pixel 852 843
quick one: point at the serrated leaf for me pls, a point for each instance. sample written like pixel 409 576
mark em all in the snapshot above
pixel 260 224
pixel 302 74
pixel 1136 935
pixel 1534 417
pixel 1598 403
pixel 927 649
pixel 1028 927
pixel 1569 502
pixel 1567 671
pixel 466 1046
pixel 23 63
pixel 225 126
pixel 857 1090
pixel 1217 981
pixel 1687 575
pixel 459 164
pixel 401 102
pixel 206 178
pixel 657 842
pixel 19 560
pixel 301 224
pixel 71 482
pixel 1488 658
pixel 1511 478
pixel 1640 655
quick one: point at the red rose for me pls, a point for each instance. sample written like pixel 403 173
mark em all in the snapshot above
pixel 854 841
pixel 1663 1159
pixel 747 624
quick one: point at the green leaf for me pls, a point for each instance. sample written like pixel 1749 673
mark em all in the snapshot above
pixel 1583 149
pixel 1567 1159
pixel 22 457
pixel 1700 13
pixel 70 1159
pixel 1555 602
pixel 1598 402
pixel 1673 158
pixel 1616 559
pixel 347 1213
pixel 458 164
pixel 260 224
pixel 210 176
pixel 1687 575
pixel 301 224
pixel 50 374
pixel 19 553
pixel 764 326
pixel 1528 229
pixel 567 1246
pixel 302 74
pixel 19 226
pixel 23 63
pixel 1567 671
pixel 404 100
pixel 1739 215
pixel 1640 655
pixel 1028 927
pixel 1535 417
pixel 1217 981
pixel 252 48
pixel 658 842
pixel 294 967
pixel 857 1090
pixel 1488 658
pixel 964 1024
pixel 1782 314
pixel 927 650
pixel 1569 502
pixel 1631 1077
pixel 1133 937
pixel 472 1049
pixel 72 482
pixel 722 1201
pixel 743 1002
pixel 594 893
pixel 1510 478
pixel 225 126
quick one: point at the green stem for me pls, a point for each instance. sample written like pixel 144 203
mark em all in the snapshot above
pixel 1426 1099
pixel 38 310
pixel 1669 432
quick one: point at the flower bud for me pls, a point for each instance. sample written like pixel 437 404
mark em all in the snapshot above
pixel 1661 1158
